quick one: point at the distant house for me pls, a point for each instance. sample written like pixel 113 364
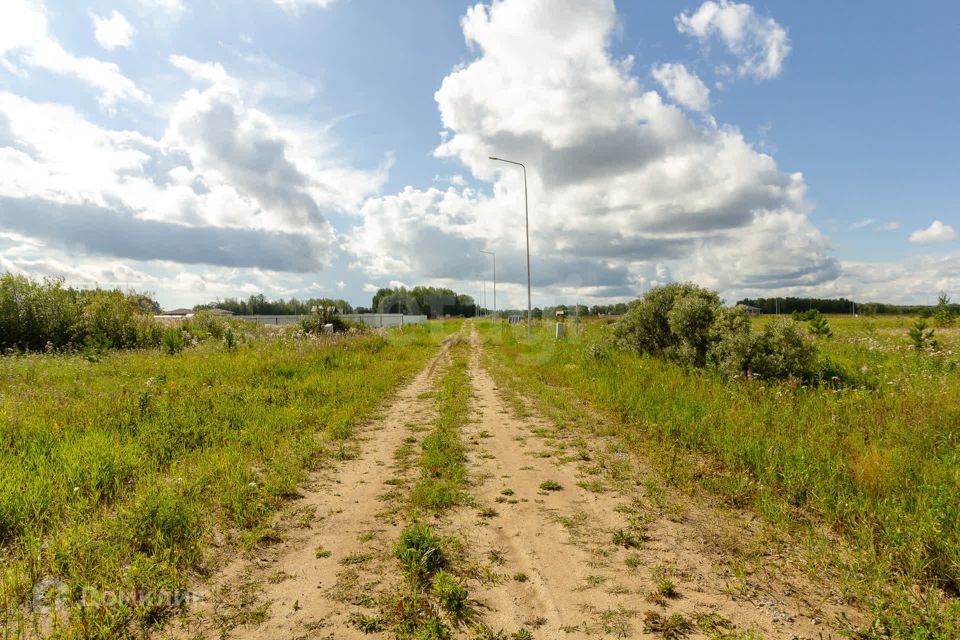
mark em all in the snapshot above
pixel 750 311
pixel 216 311
pixel 177 313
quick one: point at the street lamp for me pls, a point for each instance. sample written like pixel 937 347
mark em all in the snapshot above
pixel 491 253
pixel 526 215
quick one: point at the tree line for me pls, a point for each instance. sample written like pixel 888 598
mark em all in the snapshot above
pixel 838 305
pixel 258 305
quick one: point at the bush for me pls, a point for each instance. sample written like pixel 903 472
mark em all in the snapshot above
pixel 322 316
pixel 819 327
pixel 687 324
pixel 173 342
pixel 37 316
pixel 732 343
pixel 672 321
pixel 781 351
pixel 805 316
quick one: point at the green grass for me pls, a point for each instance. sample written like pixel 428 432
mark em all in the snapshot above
pixel 117 473
pixel 875 455
pixel 442 462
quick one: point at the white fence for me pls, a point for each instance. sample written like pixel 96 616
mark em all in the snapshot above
pixel 384 319
pixel 369 319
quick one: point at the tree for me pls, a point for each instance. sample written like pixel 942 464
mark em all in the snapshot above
pixel 944 313
pixel 921 337
pixel 819 327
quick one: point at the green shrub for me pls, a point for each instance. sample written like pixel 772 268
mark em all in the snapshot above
pixel 173 342
pixel 686 324
pixel 672 321
pixel 37 316
pixel 781 351
pixel 321 316
pixel 920 337
pixel 818 326
pixel 944 313
pixel 805 316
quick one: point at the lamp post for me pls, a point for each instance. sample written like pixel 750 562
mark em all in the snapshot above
pixel 526 216
pixel 494 255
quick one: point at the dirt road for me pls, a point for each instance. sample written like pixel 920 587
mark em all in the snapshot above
pixel 567 537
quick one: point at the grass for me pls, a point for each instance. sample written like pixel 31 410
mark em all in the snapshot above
pixel 550 485
pixel 443 474
pixel 116 473
pixel 874 454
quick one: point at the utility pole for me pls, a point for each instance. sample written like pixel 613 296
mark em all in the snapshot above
pixel 494 255
pixel 526 215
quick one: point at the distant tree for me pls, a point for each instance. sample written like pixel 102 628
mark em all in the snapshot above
pixel 819 327
pixel 944 312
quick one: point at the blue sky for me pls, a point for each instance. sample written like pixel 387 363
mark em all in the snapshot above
pixel 201 150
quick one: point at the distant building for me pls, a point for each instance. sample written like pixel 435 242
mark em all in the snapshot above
pixel 177 313
pixel 750 311
pixel 216 311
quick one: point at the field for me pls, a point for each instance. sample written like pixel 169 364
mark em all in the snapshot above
pixel 454 480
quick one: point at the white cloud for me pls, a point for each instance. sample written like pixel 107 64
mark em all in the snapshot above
pixel 25 43
pixel 172 8
pixel 621 184
pixel 112 32
pixel 227 184
pixel 876 224
pixel 759 43
pixel 683 87
pixel 294 6
pixel 936 232
pixel 862 224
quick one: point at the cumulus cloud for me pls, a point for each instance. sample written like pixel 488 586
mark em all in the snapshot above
pixel 227 183
pixel 622 185
pixel 25 43
pixel 936 232
pixel 759 43
pixel 683 87
pixel 112 32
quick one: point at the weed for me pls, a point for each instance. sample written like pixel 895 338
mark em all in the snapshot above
pixel 550 485
pixel 323 553
pixel 419 550
pixel 627 539
pixel 521 576
pixel 452 596
pixel 632 561
pixel 670 627
pixel 488 512
pixel 507 492
pixel 367 624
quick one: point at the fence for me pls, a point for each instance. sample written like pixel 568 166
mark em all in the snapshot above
pixel 384 319
pixel 369 319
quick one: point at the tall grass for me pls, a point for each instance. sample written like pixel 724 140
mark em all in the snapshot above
pixel 877 458
pixel 131 474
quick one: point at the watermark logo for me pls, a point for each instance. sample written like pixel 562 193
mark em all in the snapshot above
pixel 49 594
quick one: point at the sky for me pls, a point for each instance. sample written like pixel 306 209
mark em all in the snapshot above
pixel 325 148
